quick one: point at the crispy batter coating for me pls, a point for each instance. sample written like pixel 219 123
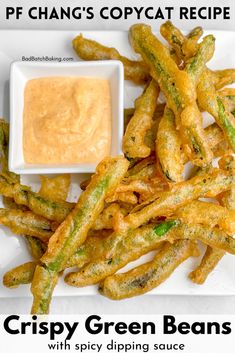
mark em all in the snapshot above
pixel 123 248
pixel 211 81
pixel 168 148
pixel 227 198
pixel 128 113
pixel 209 261
pixel 56 188
pixel 43 284
pixel 195 65
pixel 26 223
pixel 213 255
pixel 36 247
pixel 214 135
pixel 87 49
pixel 210 101
pixel 184 46
pixel 145 169
pixel 145 277
pixel 215 237
pixel 209 214
pixel 133 141
pixel 105 219
pixel 22 274
pixel 224 78
pixel 131 207
pixel 93 248
pixel 120 249
pixel 179 89
pixel 23 195
pixel 4 142
pixel 73 231
pixel 127 197
pixel 166 202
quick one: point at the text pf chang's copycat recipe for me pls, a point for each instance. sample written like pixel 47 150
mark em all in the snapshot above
pixel 66 120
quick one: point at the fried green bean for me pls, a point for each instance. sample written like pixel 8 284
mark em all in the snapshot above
pixel 92 248
pixel 220 78
pixel 87 49
pixel 207 213
pixel 191 119
pixel 22 274
pixel 166 202
pixel 196 64
pixel 120 249
pixel 143 170
pixel 26 222
pixel 168 148
pixel 178 88
pixel 209 261
pixel 105 219
pixel 187 47
pixel 214 135
pixel 215 238
pixel 163 68
pixel 73 231
pixel 150 136
pixel 36 247
pixel 128 113
pixel 184 47
pixel 228 93
pixel 9 203
pixel 227 198
pixel 4 143
pixel 57 188
pixel 211 102
pixel 43 284
pixel 144 188
pixel 215 140
pixel 174 37
pixel 213 255
pixel 23 195
pixel 206 90
pixel 224 78
pixel 4 139
pixel 201 52
pixel 133 141
pixel 229 103
pixel 195 34
pixel 221 148
pixel 143 178
pixel 145 277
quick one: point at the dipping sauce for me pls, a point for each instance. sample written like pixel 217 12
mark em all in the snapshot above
pixel 66 120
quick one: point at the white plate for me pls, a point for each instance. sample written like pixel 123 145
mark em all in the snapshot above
pixel 14 45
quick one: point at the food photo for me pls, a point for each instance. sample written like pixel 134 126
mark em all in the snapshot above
pixel 124 153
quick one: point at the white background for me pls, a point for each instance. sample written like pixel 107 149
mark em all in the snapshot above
pixel 100 305
pixel 216 343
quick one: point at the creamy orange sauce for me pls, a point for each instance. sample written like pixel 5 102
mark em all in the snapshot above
pixel 66 120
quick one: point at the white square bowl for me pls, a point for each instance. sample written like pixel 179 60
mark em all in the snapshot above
pixel 21 72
